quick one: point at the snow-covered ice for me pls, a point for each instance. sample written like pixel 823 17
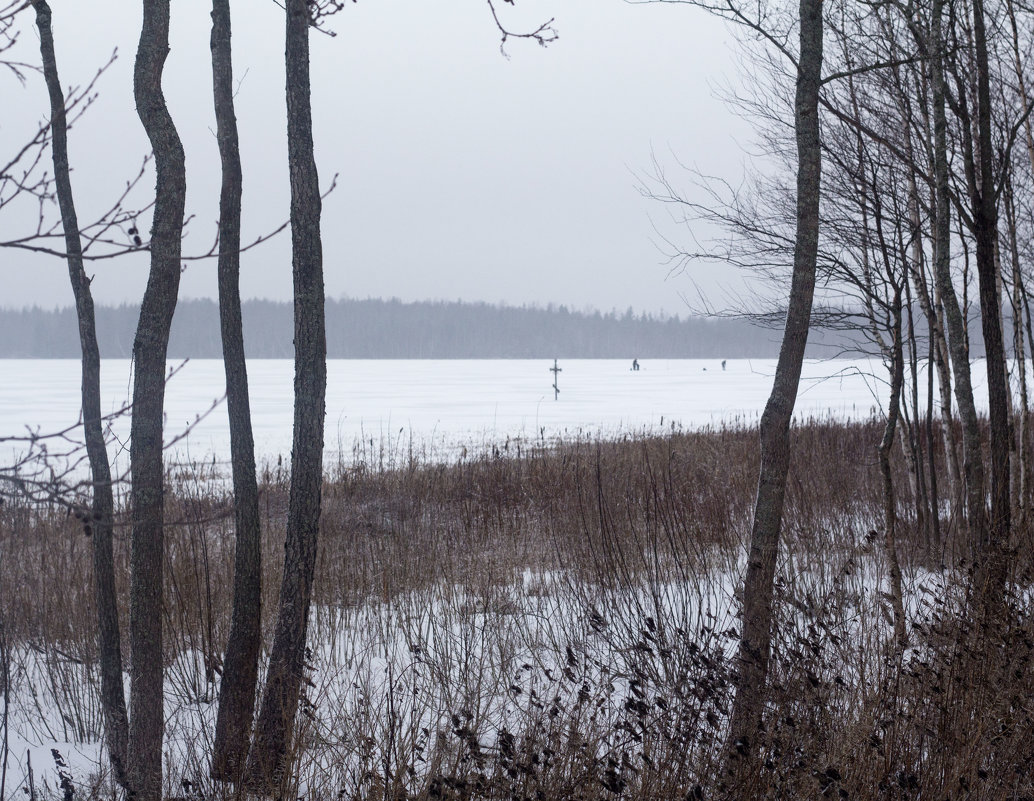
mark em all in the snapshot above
pixel 380 409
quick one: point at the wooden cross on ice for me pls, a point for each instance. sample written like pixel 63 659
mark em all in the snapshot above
pixel 556 374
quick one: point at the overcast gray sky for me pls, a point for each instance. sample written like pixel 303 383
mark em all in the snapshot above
pixel 462 174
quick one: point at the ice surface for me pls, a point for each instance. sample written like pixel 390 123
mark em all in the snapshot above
pixel 379 409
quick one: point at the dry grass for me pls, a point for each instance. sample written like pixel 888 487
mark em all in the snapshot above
pixel 558 623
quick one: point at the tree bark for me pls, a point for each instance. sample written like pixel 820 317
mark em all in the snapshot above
pixel 1021 467
pixel 101 524
pixel 933 542
pixel 936 356
pixel 911 444
pixel 756 639
pixel 240 665
pixel 958 345
pixel 942 357
pixel 897 372
pixel 274 728
pixel 150 346
pixel 1021 312
pixel 928 292
pixel 990 567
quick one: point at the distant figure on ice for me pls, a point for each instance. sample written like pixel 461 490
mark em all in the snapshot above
pixel 635 364
pixel 723 365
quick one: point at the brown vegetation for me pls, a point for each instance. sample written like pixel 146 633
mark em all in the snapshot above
pixel 560 622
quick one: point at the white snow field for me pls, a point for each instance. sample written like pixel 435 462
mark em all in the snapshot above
pixel 380 409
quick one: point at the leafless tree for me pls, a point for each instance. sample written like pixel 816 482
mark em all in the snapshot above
pixel 274 727
pixel 101 522
pixel 240 665
pixel 146 724
pixel 984 188
pixel 756 638
pixel 267 760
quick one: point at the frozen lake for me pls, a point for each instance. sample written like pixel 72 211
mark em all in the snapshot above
pixel 384 407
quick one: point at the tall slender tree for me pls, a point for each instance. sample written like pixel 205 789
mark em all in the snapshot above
pixel 240 666
pixel 270 747
pixel 983 189
pixel 756 638
pixel 101 523
pixel 147 717
pixel 267 760
pixel 955 323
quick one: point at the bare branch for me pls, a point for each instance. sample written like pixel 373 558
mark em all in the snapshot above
pixel 545 34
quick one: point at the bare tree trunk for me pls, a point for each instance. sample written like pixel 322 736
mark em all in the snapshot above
pixel 916 269
pixel 1025 450
pixel 933 309
pixel 240 666
pixel 928 292
pixel 911 444
pixel 1014 461
pixel 886 444
pixel 990 568
pixel 1020 294
pixel 101 526
pixel 934 540
pixel 1022 462
pixel 914 429
pixel 1021 309
pixel 756 640
pixel 1027 445
pixel 958 344
pixel 273 731
pixel 150 347
pixel 942 357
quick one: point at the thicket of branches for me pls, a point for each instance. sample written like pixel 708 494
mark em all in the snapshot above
pixel 920 223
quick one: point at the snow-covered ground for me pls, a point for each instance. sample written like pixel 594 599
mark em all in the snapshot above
pixel 388 677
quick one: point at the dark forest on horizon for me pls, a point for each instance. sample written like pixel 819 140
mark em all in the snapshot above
pixel 393 329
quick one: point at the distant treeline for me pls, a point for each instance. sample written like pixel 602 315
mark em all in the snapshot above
pixel 391 329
